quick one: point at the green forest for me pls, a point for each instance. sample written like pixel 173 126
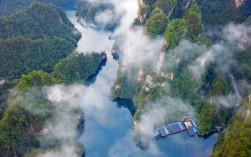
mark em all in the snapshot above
pixel 78 67
pixel 88 11
pixel 37 48
pixel 27 114
pixel 175 22
pixel 20 127
pixel 8 7
pixel 22 39
pixel 38 52
pixel 236 138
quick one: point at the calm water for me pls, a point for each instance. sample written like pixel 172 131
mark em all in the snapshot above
pixel 92 40
pixel 108 124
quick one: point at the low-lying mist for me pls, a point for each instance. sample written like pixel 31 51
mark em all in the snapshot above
pixel 137 50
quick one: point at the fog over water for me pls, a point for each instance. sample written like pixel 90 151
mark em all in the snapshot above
pixel 108 126
pixel 92 40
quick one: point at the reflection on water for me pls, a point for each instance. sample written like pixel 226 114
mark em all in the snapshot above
pixel 92 39
pixel 105 123
pixel 185 146
pixel 69 6
pixel 126 103
pixel 107 131
pixel 91 79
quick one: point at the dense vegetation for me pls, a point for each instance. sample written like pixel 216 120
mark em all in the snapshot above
pixel 242 68
pixel 32 39
pixel 188 27
pixel 89 11
pixel 39 38
pixel 187 19
pixel 22 55
pixel 156 24
pixel 28 112
pixel 26 46
pixel 167 6
pixel 78 67
pixel 236 139
pixel 125 87
pixel 28 23
pixel 215 12
pixel 4 94
pixel 175 32
pixel 28 109
pixel 8 7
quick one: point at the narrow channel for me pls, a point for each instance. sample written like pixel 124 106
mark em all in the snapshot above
pixel 107 130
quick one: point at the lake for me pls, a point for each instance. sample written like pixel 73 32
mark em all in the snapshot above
pixel 107 131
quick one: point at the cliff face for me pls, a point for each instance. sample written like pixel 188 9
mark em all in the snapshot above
pixel 179 20
pixel 181 68
pixel 143 11
pixel 214 12
pixel 172 8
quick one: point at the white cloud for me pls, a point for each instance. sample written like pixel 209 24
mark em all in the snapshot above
pixel 126 147
pixel 105 17
pixel 157 115
pixel 66 151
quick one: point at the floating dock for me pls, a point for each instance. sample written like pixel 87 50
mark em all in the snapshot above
pixel 188 125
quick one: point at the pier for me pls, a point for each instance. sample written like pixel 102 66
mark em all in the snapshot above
pixel 188 125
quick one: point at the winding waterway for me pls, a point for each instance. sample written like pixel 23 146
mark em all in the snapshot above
pixel 107 130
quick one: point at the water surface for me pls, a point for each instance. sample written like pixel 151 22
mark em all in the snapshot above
pixel 92 39
pixel 108 125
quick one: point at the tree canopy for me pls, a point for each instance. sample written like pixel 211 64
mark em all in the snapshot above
pixel 156 24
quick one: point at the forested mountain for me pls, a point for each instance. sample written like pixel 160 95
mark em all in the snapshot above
pixel 78 67
pixel 41 31
pixel 8 7
pixel 204 62
pixel 236 139
pixel 29 111
pixel 222 12
pixel 214 12
pixel 41 38
pixel 35 38
pixel 28 23
pixel 25 127
pixel 184 25
pixel 22 55
pixel 100 15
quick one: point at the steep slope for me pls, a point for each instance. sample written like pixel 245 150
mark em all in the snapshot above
pixel 37 21
pixel 236 139
pixel 22 55
pixel 215 12
pixel 34 39
pixel 78 67
pixel 31 119
pixel 182 69
pixel 8 7
pixel 100 15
